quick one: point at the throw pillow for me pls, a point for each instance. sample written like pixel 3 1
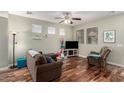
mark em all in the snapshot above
pixel 33 52
pixel 39 59
pixel 49 59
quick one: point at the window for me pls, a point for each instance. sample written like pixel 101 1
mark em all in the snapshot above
pixel 51 30
pixel 62 32
pixel 36 28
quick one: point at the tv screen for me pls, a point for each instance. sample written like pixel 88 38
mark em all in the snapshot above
pixel 71 44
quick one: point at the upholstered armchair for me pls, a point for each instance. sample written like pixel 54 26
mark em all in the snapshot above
pixel 98 59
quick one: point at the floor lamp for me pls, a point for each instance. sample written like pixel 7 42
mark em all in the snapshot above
pixel 13 65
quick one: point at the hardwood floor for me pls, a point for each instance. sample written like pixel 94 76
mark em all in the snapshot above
pixel 74 70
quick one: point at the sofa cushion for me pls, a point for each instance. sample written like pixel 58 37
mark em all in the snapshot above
pixel 93 52
pixel 96 56
pixel 40 59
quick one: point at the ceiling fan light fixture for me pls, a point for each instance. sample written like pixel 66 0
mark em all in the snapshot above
pixel 67 21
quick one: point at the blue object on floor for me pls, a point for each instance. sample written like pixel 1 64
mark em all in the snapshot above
pixel 21 62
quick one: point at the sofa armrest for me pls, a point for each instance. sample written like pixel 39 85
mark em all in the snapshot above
pixel 48 67
pixel 48 72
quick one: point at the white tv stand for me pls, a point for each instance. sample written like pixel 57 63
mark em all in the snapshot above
pixel 71 52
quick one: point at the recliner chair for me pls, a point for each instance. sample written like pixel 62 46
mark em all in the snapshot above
pixel 98 59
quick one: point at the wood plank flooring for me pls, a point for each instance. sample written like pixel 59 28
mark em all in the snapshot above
pixel 74 70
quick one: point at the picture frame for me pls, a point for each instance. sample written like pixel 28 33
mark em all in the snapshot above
pixel 109 36
pixel 80 36
pixel 92 35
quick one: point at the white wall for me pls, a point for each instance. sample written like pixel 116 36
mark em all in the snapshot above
pixel 3 41
pixel 23 26
pixel 111 23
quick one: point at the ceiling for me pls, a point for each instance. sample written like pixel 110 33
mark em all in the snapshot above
pixel 50 15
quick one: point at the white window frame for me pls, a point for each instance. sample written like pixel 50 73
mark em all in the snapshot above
pixel 62 32
pixel 51 30
pixel 36 28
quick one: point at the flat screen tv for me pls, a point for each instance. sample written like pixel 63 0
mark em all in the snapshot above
pixel 71 44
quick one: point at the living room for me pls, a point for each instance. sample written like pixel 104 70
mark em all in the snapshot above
pixel 60 46
pixel 69 36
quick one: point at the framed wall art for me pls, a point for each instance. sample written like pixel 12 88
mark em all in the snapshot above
pixel 92 35
pixel 80 36
pixel 109 36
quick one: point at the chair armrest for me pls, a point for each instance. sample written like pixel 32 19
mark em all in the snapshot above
pixel 49 66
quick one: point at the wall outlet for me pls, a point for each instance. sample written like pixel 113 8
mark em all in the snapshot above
pixel 120 45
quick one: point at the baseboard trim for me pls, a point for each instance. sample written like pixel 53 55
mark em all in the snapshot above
pixel 5 68
pixel 112 63
pixel 82 56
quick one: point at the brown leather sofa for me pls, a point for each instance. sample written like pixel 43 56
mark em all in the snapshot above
pixel 41 71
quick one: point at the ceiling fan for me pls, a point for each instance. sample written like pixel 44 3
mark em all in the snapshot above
pixel 67 19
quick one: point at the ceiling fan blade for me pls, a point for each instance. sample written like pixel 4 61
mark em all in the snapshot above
pixel 58 18
pixel 61 21
pixel 76 18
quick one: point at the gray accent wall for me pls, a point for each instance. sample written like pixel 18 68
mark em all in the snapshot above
pixel 3 41
pixel 23 27
pixel 115 22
